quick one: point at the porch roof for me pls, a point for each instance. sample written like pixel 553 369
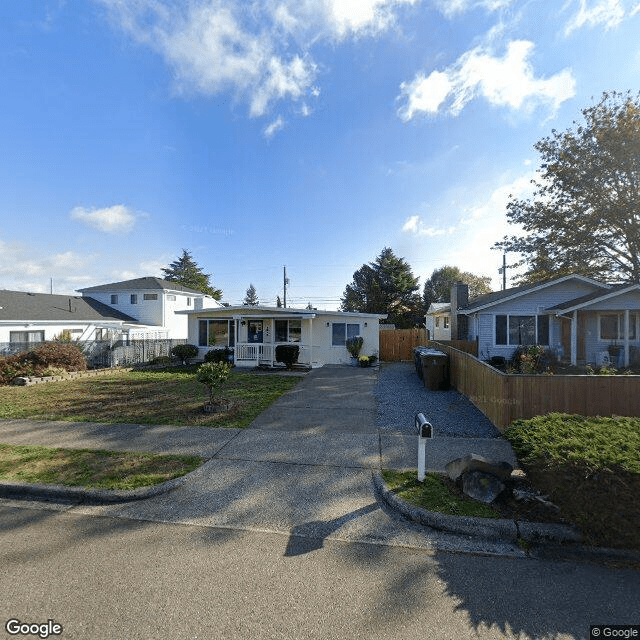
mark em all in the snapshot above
pixel 597 296
pixel 277 312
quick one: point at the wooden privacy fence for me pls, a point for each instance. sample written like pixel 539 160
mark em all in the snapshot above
pixel 398 344
pixel 504 398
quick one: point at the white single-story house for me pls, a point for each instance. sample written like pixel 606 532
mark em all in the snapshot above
pixel 153 302
pixel 28 318
pixel 255 331
pixel 580 319
pixel 438 321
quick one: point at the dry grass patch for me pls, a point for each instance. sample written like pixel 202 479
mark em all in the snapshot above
pixel 170 396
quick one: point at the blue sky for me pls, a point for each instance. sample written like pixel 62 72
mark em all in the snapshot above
pixel 305 133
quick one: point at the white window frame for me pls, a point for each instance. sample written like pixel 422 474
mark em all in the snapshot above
pixel 134 298
pixel 114 298
pixel 150 296
pixel 633 322
pixel 522 315
pixel 346 332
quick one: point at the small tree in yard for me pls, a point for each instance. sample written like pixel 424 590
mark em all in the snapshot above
pixel 213 375
pixel 184 351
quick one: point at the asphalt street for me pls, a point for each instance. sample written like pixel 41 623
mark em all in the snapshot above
pixel 280 535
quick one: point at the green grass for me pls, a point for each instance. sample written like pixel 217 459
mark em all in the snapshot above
pixel 169 396
pixel 599 443
pixel 433 495
pixel 91 468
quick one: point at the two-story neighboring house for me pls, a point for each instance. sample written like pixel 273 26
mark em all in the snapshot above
pixel 153 302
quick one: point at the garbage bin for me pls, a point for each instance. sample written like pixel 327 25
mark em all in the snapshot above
pixel 417 357
pixel 435 370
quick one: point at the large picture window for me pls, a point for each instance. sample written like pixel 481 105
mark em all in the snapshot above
pixel 342 331
pixel 216 333
pixel 26 336
pixel 612 326
pixel 288 330
pixel 516 330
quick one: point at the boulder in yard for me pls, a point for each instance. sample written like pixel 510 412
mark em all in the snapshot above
pixel 481 486
pixel 474 462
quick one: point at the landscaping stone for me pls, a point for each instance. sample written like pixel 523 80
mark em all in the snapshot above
pixel 474 462
pixel 481 486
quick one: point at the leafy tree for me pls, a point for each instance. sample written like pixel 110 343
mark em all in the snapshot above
pixel 251 299
pixel 186 272
pixel 386 285
pixel 438 287
pixel 584 216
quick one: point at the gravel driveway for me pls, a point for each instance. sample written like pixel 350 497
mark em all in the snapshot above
pixel 401 394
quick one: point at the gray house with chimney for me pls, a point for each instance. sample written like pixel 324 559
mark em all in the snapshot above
pixel 580 319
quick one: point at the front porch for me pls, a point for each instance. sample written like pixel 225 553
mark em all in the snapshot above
pixel 252 354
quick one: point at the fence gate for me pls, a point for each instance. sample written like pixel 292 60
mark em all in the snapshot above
pixel 398 344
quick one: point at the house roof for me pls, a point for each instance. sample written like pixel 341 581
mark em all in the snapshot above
pixel 141 283
pixel 591 298
pixel 438 307
pixel 281 311
pixel 497 297
pixel 22 306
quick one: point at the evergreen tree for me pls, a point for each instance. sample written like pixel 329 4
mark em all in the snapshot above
pixel 584 216
pixel 278 302
pixel 186 272
pixel 251 299
pixel 386 285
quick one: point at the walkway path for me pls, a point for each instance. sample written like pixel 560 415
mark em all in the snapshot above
pixel 302 468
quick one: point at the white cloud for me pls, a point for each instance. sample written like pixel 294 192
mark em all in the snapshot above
pixel 117 218
pixel 609 13
pixel 274 127
pixel 508 81
pixel 417 227
pixel 258 50
pixel 451 8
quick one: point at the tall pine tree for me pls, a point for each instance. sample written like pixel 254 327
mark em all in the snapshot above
pixel 386 285
pixel 186 272
pixel 251 299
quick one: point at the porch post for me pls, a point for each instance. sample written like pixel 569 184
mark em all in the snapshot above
pixel 574 338
pixel 310 342
pixel 626 337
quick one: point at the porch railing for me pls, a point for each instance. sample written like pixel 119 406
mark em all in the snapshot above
pixel 265 353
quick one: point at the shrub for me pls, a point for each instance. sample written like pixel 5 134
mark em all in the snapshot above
pixel 45 357
pixel 163 360
pixel 288 354
pixel 213 375
pixel 184 351
pixel 532 359
pixel 218 355
pixel 354 345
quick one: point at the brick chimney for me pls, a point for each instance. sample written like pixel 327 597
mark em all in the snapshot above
pixel 459 300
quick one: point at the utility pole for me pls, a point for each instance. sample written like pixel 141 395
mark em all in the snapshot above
pixel 286 282
pixel 503 270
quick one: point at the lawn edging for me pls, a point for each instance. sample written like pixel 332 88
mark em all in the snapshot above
pixel 501 528
pixel 57 492
pixel 27 381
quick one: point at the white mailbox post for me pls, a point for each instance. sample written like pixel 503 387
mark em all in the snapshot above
pixel 425 430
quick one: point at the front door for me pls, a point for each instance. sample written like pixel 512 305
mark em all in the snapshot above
pixel 254 331
pixel 566 337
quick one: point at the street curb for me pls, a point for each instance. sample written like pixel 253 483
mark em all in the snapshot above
pixel 56 492
pixel 502 528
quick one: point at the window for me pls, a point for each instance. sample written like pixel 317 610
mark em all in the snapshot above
pixel 171 298
pixel 150 296
pixel 522 330
pixel 188 302
pixel 134 298
pixel 342 331
pixel 288 330
pixel 218 333
pixel 612 326
pixel 437 321
pixel 114 298
pixel 445 322
pixel 26 336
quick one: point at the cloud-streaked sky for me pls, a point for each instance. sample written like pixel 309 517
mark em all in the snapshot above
pixel 305 133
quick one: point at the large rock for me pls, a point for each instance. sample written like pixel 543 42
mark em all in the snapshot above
pixel 473 462
pixel 480 486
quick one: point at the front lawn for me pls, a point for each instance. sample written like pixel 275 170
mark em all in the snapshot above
pixel 159 396
pixel 590 468
pixel 90 468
